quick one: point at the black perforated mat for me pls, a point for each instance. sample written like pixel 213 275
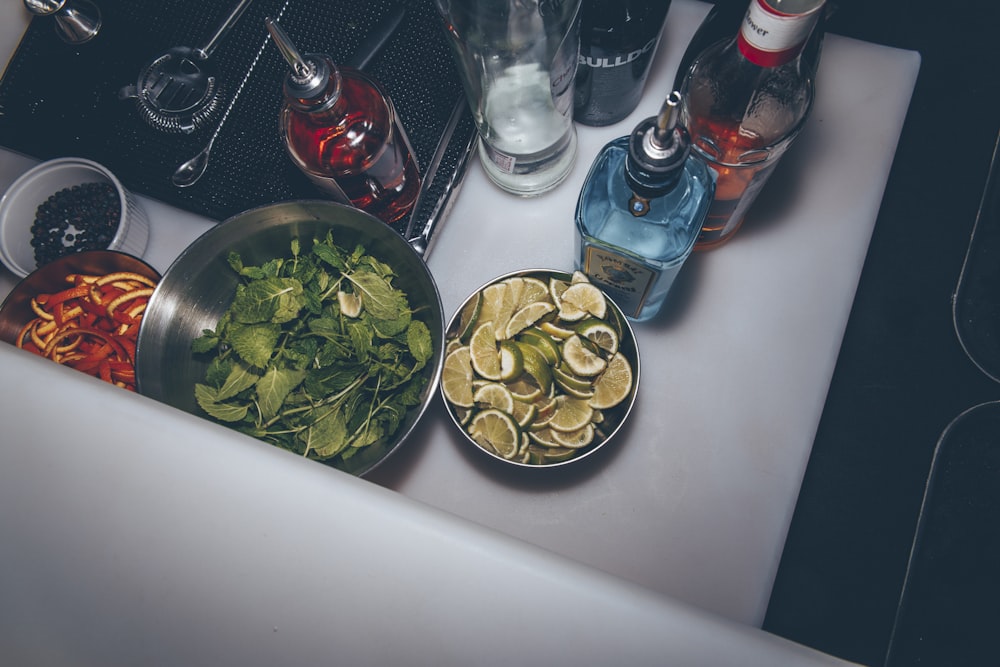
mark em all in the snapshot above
pixel 59 100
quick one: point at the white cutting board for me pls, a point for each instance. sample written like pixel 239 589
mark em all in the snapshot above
pixel 165 534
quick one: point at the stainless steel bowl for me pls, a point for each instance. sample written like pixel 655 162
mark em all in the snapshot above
pixel 611 419
pixel 199 287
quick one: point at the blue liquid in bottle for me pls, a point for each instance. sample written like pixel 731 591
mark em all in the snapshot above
pixel 640 212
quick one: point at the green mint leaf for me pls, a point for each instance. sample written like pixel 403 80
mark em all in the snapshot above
pixel 331 255
pixel 206 342
pixel 327 435
pixel 361 340
pixel 418 339
pixel 239 379
pixel 235 262
pixel 207 400
pixel 380 299
pixel 274 387
pixel 255 343
pixel 267 299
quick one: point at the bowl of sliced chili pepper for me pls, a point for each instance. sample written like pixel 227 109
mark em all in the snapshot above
pixel 82 311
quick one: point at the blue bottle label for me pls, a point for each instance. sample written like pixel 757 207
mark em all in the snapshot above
pixel 622 278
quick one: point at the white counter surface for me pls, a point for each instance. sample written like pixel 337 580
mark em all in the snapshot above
pixel 667 543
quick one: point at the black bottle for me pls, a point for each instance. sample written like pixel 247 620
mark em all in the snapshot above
pixel 618 39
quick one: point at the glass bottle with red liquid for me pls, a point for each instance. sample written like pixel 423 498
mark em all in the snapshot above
pixel 745 100
pixel 342 131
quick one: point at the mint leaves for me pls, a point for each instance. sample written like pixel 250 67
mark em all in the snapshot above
pixel 318 353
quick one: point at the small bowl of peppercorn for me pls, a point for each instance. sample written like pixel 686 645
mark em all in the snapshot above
pixel 65 206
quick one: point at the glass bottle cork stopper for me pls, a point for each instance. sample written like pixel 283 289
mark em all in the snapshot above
pixel 310 74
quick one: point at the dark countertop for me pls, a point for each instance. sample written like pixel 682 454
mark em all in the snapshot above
pixel 902 376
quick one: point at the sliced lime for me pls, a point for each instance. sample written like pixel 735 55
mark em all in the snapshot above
pixel 494 395
pixel 613 385
pixel 580 358
pixel 496 431
pixel 456 378
pixel 600 333
pixel 527 316
pixel 484 353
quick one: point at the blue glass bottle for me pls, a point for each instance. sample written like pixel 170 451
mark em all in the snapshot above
pixel 640 211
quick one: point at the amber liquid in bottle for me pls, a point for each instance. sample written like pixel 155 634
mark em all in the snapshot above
pixel 358 144
pixel 737 183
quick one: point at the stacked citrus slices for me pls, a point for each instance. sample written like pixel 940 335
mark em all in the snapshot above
pixel 537 367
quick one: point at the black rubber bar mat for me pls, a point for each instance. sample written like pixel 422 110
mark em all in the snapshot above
pixel 977 298
pixel 950 608
pixel 59 100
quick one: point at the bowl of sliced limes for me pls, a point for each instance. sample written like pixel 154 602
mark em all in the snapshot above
pixel 541 368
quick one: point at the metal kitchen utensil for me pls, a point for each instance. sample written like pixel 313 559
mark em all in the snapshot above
pixel 76 21
pixel 188 173
pixel 178 91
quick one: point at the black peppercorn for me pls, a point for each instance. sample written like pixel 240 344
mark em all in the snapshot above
pixel 81 217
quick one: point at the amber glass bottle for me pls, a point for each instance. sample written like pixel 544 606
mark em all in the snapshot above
pixel 745 99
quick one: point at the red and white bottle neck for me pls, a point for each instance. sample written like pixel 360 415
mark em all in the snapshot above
pixel 770 37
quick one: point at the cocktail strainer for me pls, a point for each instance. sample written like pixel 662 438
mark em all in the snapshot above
pixel 178 91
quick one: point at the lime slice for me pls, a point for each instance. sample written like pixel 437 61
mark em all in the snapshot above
pixel 535 365
pixel 494 395
pixel 571 414
pixel 542 342
pixel 523 390
pixel 556 331
pixel 452 345
pixel 532 290
pixel 350 304
pixel 600 333
pixel 498 306
pixel 470 315
pixel 542 455
pixel 527 316
pixel 544 437
pixel 456 378
pixel 524 413
pixel 556 289
pixel 569 312
pixel 579 277
pixel 496 431
pixel 581 359
pixel 576 387
pixel 463 415
pixel 546 410
pixel 511 360
pixel 614 384
pixel 575 439
pixel 586 297
pixel 484 353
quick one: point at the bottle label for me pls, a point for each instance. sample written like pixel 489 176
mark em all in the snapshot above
pixel 618 59
pixel 505 163
pixel 624 280
pixel 769 37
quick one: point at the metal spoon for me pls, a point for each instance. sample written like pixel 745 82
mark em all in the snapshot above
pixel 188 173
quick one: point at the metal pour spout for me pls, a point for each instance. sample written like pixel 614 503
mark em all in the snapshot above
pixel 301 68
pixel 662 137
